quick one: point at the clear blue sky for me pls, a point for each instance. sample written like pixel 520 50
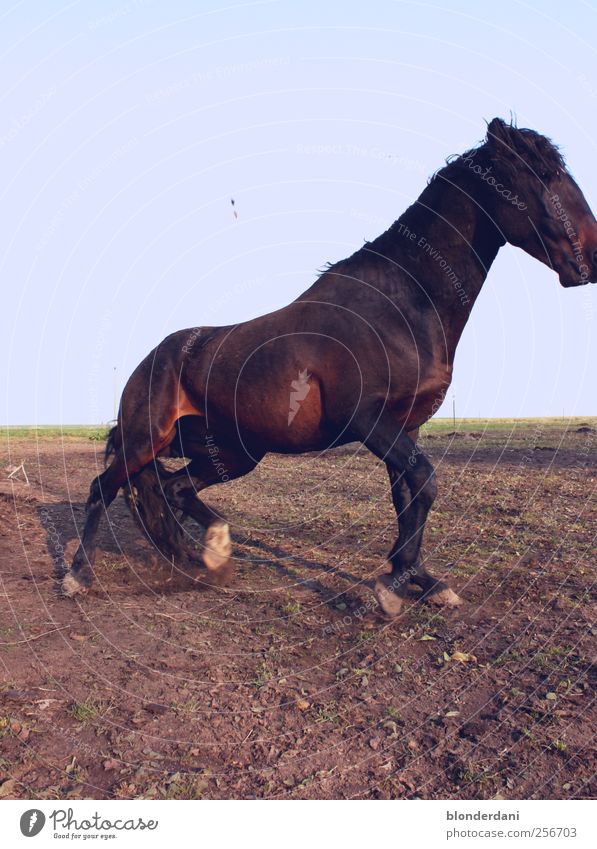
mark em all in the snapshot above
pixel 127 126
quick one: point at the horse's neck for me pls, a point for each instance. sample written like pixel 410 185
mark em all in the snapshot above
pixel 446 244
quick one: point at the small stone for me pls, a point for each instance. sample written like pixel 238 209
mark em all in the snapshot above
pixel 7 788
pixel 154 707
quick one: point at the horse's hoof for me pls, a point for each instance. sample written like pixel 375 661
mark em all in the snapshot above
pixel 217 546
pixel 221 577
pixel 70 586
pixel 390 603
pixel 444 598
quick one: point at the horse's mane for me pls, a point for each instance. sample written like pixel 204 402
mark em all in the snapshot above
pixel 507 148
pixel 510 148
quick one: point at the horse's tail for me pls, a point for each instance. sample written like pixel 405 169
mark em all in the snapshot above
pixel 111 446
pixel 145 497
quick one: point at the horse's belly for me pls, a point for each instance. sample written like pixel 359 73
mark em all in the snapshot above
pixel 290 421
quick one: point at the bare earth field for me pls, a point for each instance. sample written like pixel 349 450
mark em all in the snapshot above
pixel 289 683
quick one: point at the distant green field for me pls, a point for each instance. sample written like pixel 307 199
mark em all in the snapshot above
pixel 93 432
pixel 437 426
pixel 446 425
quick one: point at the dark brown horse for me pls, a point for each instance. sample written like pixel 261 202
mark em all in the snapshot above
pixel 364 355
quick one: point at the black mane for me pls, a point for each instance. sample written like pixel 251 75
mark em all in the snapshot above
pixel 510 148
pixel 511 152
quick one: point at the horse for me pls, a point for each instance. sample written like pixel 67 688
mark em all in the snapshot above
pixel 364 355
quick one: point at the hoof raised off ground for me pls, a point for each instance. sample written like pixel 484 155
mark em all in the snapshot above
pixel 221 577
pixel 444 598
pixel 390 603
pixel 218 546
pixel 70 586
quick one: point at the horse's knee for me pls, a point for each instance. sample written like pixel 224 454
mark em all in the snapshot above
pixel 430 488
pixel 424 485
pixel 95 493
pixel 102 492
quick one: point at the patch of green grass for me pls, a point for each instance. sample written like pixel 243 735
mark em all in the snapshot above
pixel 263 675
pixel 528 735
pixel 507 657
pixel 427 615
pixel 265 630
pixel 275 655
pixel 466 568
pixel 550 656
pixel 361 638
pixel 585 597
pixel 395 715
pixel 291 608
pixel 472 776
pixel 110 565
pixel 76 773
pixel 188 708
pixel 328 713
pixel 185 787
pixel 85 711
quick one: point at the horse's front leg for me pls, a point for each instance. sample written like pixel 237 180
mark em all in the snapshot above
pixel 413 489
pixel 435 591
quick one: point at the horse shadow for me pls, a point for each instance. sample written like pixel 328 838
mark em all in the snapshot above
pixel 63 523
pixel 119 536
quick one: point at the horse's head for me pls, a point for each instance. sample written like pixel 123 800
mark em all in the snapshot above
pixel 534 201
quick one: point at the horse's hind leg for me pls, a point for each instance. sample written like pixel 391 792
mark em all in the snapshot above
pixel 183 493
pixel 216 547
pixel 130 458
pixel 152 402
pixel 101 494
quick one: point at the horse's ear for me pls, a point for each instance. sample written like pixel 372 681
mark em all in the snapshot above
pixel 497 131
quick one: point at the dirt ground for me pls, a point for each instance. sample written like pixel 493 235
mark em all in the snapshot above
pixel 290 683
